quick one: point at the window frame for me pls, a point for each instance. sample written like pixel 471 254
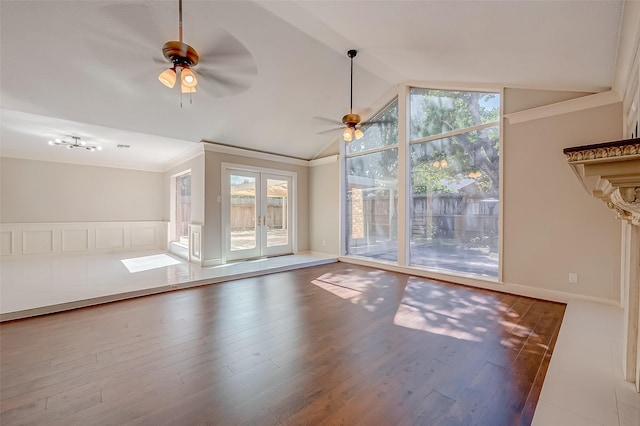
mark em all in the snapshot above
pixel 345 175
pixel 402 93
pixel 173 208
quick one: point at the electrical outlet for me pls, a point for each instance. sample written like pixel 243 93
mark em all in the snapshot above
pixel 573 277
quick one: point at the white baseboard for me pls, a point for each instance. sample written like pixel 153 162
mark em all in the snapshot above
pixel 212 262
pixel 179 250
pixel 517 289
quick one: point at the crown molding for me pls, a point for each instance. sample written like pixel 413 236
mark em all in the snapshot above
pixel 564 107
pixel 251 153
pixel 324 160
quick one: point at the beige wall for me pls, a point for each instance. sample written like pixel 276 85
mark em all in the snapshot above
pixel 42 191
pixel 213 238
pixel 552 226
pixel 324 208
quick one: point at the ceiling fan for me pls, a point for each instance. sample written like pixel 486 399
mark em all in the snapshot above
pixel 227 75
pixel 351 120
pixel 183 57
pixel 355 125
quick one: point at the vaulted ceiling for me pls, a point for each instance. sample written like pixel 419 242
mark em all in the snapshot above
pixel 86 68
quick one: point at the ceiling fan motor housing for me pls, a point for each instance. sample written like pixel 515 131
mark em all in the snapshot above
pixel 351 120
pixel 180 54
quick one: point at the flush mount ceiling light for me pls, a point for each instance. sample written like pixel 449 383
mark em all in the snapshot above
pixel 182 57
pixel 77 143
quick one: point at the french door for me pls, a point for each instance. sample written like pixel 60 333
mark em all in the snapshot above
pixel 258 213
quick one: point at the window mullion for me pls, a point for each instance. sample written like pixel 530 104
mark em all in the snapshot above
pixel 372 151
pixel 404 210
pixel 455 132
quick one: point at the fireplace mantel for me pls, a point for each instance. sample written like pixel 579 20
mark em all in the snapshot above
pixel 611 172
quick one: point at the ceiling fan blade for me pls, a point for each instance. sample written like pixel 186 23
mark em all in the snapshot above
pixel 220 86
pixel 325 120
pixel 335 129
pixel 160 61
pixel 221 44
pixel 225 55
pixel 222 66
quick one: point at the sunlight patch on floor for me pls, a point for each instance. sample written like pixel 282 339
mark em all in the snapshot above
pixel 412 317
pixel 146 263
pixel 342 292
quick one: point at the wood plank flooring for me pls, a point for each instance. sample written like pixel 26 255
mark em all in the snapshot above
pixel 332 344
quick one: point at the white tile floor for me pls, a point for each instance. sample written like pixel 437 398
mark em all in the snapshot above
pixel 583 386
pixel 36 285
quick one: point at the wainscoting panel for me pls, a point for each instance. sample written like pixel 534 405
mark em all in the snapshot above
pixel 110 238
pixel 37 241
pixel 143 237
pixel 6 243
pixel 75 240
pixel 80 237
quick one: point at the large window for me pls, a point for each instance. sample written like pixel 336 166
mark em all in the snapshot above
pixel 372 181
pixel 454 166
pixel 452 199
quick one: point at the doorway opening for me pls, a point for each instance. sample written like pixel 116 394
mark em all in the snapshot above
pixel 258 212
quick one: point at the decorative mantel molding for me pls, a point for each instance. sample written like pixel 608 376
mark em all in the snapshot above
pixel 626 201
pixel 611 172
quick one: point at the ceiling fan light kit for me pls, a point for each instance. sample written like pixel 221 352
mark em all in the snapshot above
pixel 168 77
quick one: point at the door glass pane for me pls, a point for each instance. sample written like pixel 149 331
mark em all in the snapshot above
pixel 183 208
pixel 243 212
pixel 277 221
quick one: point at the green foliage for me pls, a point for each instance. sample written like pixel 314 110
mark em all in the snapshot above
pixel 469 155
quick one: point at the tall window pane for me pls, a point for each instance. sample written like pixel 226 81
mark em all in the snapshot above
pixel 372 203
pixel 372 181
pixel 454 197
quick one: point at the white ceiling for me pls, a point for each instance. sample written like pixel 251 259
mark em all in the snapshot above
pixel 86 68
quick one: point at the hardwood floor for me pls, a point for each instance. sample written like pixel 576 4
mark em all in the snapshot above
pixel 332 344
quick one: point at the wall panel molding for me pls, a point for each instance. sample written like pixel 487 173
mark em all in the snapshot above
pixel 75 240
pixel 80 237
pixel 6 243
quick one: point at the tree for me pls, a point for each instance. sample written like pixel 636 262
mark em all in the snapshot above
pixel 435 112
